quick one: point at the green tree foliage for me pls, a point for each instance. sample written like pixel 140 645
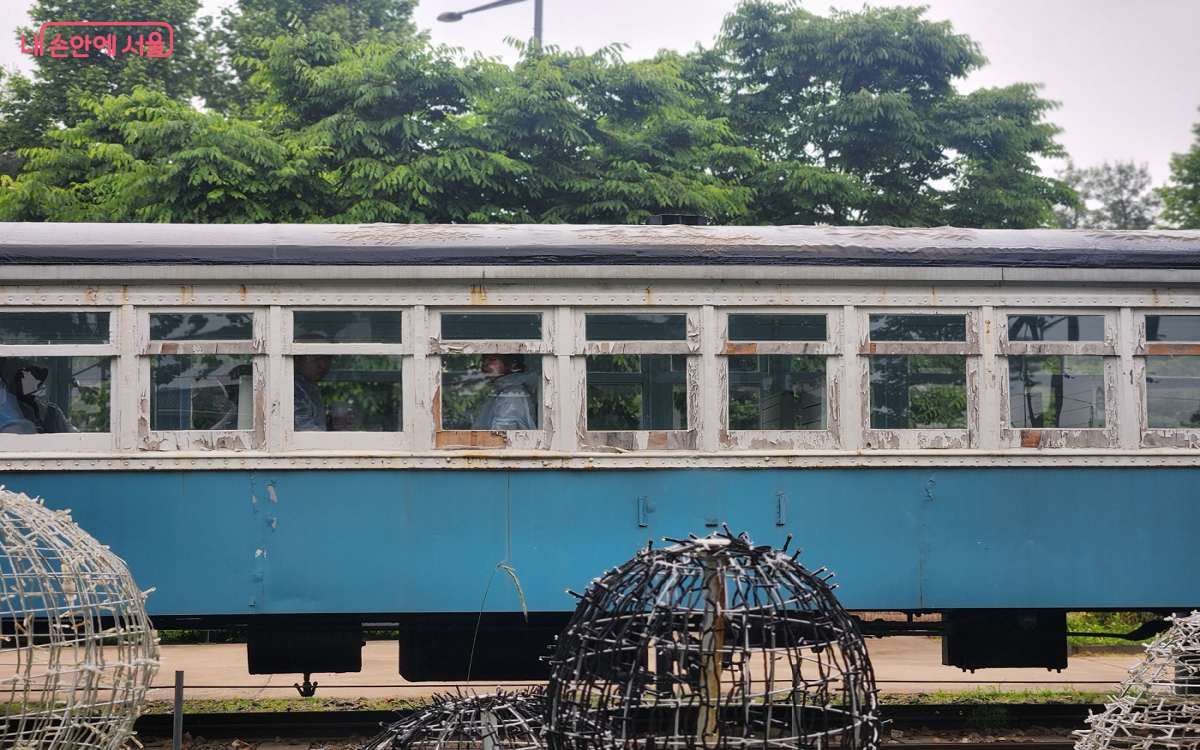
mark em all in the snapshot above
pixel 790 118
pixel 1181 196
pixel 1112 196
pixel 242 35
pixel 145 157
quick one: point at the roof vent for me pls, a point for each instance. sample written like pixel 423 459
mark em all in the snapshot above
pixel 694 220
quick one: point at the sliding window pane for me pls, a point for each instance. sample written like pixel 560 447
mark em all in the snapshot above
pixel 1056 392
pixel 1055 327
pixel 54 328
pixel 42 395
pixel 201 326
pixel 1182 328
pixel 777 328
pixel 639 327
pixel 918 391
pixel 637 392
pixel 1173 392
pixel 491 326
pixel 777 392
pixel 491 392
pixel 918 328
pixel 347 326
pixel 201 392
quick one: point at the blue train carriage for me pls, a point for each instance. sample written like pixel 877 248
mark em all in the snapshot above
pixel 279 427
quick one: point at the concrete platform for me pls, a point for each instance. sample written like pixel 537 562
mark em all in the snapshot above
pixel 902 665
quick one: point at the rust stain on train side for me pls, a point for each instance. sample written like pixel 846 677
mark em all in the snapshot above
pixel 732 348
pixel 478 295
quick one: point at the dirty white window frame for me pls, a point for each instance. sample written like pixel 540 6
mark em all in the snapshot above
pixel 1159 437
pixel 921 439
pixel 341 440
pixel 1093 437
pixel 619 441
pixel 830 349
pixel 205 440
pixel 492 439
pixel 72 441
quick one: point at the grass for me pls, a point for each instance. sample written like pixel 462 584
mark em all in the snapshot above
pixel 995 695
pixel 281 705
pixel 1105 622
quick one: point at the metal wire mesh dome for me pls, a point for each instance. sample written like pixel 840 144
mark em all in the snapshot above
pixel 711 643
pixel 77 652
pixel 1158 706
pixel 504 720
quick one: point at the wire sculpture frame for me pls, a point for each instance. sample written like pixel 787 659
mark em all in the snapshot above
pixel 77 652
pixel 711 643
pixel 1158 706
pixel 504 720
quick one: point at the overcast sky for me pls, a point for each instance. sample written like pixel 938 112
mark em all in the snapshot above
pixel 1126 72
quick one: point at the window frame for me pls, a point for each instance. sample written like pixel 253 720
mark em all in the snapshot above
pixel 343 440
pixel 640 440
pixel 1060 437
pixel 72 441
pixel 541 439
pixel 831 348
pixel 971 349
pixel 255 439
pixel 1159 437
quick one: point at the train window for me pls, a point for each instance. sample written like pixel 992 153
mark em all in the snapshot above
pixel 491 326
pixel 201 326
pixel 637 392
pixel 636 327
pixel 492 391
pixel 45 395
pixel 918 328
pixel 777 392
pixel 1056 391
pixel 744 327
pixel 1182 328
pixel 1055 327
pixel 347 393
pixel 347 326
pixel 201 392
pixel 54 327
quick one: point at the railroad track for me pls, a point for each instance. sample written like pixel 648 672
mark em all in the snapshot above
pixel 921 725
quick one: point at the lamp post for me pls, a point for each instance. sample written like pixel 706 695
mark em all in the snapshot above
pixel 452 16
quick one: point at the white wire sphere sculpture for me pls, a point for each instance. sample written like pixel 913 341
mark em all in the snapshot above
pixel 1158 705
pixel 504 720
pixel 711 643
pixel 77 652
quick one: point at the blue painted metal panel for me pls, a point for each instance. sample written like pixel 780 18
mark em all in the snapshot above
pixel 240 542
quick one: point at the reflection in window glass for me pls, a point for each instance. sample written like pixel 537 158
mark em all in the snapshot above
pixel 54 327
pixel 347 393
pixel 637 392
pixel 491 392
pixel 1055 327
pixel 1173 392
pixel 201 392
pixel 777 392
pixel 491 326
pixel 918 391
pixel 639 327
pixel 55 394
pixel 918 328
pixel 777 328
pixel 1185 328
pixel 201 326
pixel 1056 391
pixel 347 326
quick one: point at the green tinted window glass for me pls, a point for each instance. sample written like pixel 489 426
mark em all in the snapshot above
pixel 637 392
pixel 347 326
pixel 1055 327
pixel 918 391
pixel 491 326
pixel 347 393
pixel 777 328
pixel 777 392
pixel 59 394
pixel 1173 391
pixel 54 328
pixel 1056 391
pixel 201 326
pixel 637 327
pixel 491 392
pixel 918 328
pixel 201 392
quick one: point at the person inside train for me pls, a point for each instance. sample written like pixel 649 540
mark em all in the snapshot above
pixel 22 410
pixel 310 405
pixel 510 406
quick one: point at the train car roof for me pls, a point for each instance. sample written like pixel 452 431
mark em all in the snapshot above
pixel 589 245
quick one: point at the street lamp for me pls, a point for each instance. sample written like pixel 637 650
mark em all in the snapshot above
pixel 452 16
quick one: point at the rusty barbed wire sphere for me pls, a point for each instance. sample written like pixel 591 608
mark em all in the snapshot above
pixel 711 643
pixel 504 720
pixel 1158 705
pixel 77 652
